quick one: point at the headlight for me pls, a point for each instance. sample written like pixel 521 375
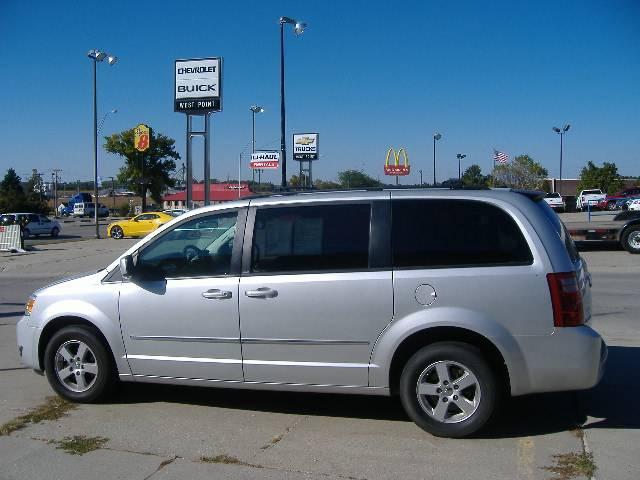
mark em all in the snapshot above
pixel 29 306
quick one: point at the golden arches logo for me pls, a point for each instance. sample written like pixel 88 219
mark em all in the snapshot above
pixel 396 169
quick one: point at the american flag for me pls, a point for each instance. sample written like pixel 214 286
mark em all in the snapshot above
pixel 500 157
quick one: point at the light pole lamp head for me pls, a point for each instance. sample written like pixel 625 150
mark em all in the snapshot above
pixel 96 55
pixel 556 129
pixel 437 136
pixel 566 127
pixel 112 59
pixel 299 27
pixel 256 109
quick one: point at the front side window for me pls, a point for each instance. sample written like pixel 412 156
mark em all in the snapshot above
pixel 311 238
pixel 201 247
pixel 455 233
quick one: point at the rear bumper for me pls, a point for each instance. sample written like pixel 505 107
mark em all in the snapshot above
pixel 572 358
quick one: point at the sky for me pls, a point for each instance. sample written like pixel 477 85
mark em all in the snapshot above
pixel 365 75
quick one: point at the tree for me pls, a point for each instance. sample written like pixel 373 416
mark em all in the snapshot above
pixel 159 162
pixel 357 179
pixel 473 176
pixel 523 172
pixel 606 178
pixel 12 197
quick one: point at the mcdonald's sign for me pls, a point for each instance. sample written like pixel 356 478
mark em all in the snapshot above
pixel 396 169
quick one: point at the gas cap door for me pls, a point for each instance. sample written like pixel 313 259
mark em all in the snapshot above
pixel 426 294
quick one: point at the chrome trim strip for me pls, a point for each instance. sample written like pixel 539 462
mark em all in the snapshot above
pixel 302 341
pixel 169 338
pixel 163 358
pixel 283 363
pixel 249 341
pixel 184 359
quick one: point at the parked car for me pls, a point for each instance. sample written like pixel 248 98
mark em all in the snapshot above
pixel 634 206
pixel 616 201
pixel 175 212
pixel 555 201
pixel 78 198
pixel 34 224
pixel 138 226
pixel 87 209
pixel 446 298
pixel 589 198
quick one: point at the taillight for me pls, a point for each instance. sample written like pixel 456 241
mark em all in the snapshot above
pixel 566 299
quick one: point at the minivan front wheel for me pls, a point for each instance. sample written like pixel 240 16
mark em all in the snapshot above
pixel 448 389
pixel 77 365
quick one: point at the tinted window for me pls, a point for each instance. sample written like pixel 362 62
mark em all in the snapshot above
pixel 455 233
pixel 561 230
pixel 308 238
pixel 199 247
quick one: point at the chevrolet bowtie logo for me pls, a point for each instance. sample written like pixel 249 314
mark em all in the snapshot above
pixel 305 140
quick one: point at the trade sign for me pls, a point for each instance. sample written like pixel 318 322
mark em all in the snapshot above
pixel 395 168
pixel 198 85
pixel 141 137
pixel 264 160
pixel 305 146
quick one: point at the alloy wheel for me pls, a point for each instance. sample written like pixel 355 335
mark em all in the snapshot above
pixel 76 366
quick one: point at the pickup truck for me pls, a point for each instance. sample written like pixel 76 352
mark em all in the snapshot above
pixel 589 197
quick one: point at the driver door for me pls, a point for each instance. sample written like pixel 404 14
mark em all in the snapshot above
pixel 179 311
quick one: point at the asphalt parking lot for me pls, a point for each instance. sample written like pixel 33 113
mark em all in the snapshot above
pixel 163 432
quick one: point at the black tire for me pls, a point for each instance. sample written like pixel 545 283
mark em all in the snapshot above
pixel 611 206
pixel 460 354
pixel 99 384
pixel 631 239
pixel 116 232
pixel 55 231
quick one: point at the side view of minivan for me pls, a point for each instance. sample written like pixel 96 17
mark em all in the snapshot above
pixel 87 209
pixel 448 298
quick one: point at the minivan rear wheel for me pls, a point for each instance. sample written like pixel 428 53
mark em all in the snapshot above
pixel 78 365
pixel 448 389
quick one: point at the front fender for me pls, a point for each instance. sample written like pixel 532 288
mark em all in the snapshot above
pixel 102 313
pixel 400 329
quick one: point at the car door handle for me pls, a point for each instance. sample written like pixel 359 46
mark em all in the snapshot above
pixel 217 294
pixel 262 292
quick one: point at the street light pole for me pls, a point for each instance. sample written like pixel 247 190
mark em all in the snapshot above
pixel 436 136
pixel 254 109
pixel 460 157
pixel 97 56
pixel 561 132
pixel 298 29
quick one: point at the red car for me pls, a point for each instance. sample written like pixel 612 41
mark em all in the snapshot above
pixel 610 201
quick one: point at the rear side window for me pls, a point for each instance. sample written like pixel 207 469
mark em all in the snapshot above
pixel 561 230
pixel 455 233
pixel 311 238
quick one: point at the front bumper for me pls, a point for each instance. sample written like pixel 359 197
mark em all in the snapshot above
pixel 26 336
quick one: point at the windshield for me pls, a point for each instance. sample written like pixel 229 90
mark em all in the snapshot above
pixel 591 192
pixel 553 195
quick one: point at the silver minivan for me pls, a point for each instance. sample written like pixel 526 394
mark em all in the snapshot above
pixel 446 298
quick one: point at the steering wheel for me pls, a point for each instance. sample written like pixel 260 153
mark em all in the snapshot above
pixel 192 253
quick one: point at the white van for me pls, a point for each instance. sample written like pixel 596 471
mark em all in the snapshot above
pixel 86 209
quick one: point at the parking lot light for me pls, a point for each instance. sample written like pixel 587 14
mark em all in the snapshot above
pixel 298 28
pixel 97 56
pixel 460 156
pixel 561 132
pixel 436 136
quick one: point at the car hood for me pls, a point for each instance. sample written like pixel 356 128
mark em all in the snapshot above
pixel 72 280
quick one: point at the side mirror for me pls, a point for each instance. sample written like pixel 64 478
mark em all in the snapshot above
pixel 126 267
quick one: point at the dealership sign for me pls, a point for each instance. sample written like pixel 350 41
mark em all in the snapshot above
pixel 395 168
pixel 198 85
pixel 265 160
pixel 305 146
